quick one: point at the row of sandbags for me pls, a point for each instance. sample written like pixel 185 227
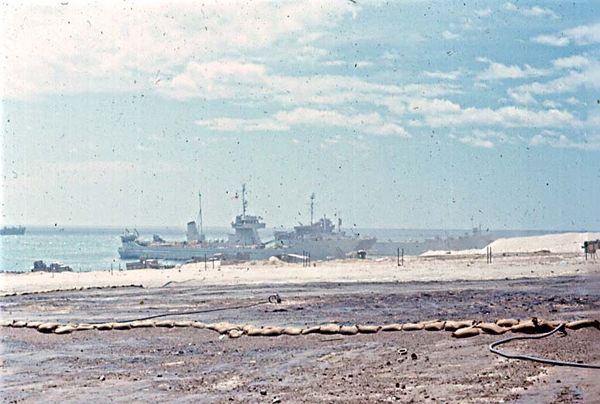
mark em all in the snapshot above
pixel 459 329
pixel 69 290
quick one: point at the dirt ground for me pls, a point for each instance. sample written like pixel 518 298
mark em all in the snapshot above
pixel 184 365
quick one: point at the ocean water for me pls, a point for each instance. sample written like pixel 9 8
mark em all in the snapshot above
pixel 87 249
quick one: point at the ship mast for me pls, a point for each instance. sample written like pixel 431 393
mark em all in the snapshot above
pixel 244 203
pixel 312 207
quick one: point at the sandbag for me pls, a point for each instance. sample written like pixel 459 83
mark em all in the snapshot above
pixel 527 326
pixel 48 327
pixel 183 323
pixel 84 327
pixel 142 324
pixel 435 326
pixel 507 322
pixel 235 333
pixel 547 326
pixel 272 331
pixel 466 332
pixel 122 326
pixel 412 326
pixel 329 329
pixel 64 329
pixel 254 332
pixel 165 323
pixel 575 325
pixel 198 324
pixel 222 327
pixel 457 325
pixel 292 330
pixel 492 328
pixel 391 327
pixel 348 330
pixel 368 329
pixel 33 324
pixel 311 330
pixel 18 324
pixel 102 327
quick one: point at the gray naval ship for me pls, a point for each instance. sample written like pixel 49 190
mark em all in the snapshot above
pixel 477 239
pixel 318 241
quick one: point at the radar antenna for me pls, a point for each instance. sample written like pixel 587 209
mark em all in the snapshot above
pixel 244 202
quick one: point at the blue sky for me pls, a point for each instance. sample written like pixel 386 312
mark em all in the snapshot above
pixel 410 114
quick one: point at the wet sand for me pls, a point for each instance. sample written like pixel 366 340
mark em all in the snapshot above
pixel 198 365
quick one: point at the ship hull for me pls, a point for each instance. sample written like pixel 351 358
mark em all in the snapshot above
pixel 392 248
pixel 329 249
pixel 317 250
pixel 133 250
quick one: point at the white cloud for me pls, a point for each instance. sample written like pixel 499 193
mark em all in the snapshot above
pixel 522 97
pixel 484 13
pixel 557 140
pixel 572 81
pixel 573 62
pixel 389 129
pixel 499 71
pixel 476 142
pixel 584 34
pixel 454 75
pixel 506 117
pixel 371 123
pixel 120 48
pixel 581 35
pixel 553 40
pixel 219 79
pixel 450 35
pixel 248 125
pixel 363 64
pixel 573 101
pixel 534 11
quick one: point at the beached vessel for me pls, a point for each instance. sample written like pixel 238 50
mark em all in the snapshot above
pixel 321 239
pixel 477 239
pixel 12 231
pixel 318 241
pixel 244 244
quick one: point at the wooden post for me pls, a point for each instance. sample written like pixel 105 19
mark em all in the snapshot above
pixel 205 262
pixel 400 257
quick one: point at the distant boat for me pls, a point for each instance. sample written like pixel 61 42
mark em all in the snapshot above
pixel 12 231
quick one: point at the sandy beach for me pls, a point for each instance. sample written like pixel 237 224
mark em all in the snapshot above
pixel 188 364
pixel 539 257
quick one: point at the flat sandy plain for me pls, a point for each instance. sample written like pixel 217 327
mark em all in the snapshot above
pixel 186 364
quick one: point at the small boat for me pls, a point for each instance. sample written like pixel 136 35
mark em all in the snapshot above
pixel 12 231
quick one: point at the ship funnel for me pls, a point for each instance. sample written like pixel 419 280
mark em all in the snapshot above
pixel 192 233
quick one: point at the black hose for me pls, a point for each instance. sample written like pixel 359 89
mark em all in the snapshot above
pixel 272 299
pixel 533 358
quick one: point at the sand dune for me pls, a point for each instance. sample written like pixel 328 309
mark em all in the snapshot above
pixel 555 243
pixel 564 243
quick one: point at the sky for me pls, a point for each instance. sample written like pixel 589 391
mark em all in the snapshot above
pixel 396 114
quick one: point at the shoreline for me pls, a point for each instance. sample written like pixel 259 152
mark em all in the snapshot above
pixel 439 268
